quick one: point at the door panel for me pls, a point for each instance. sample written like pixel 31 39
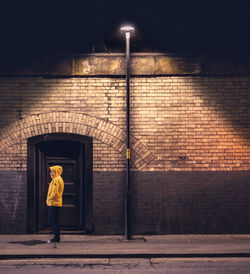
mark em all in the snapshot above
pixel 68 155
pixel 69 215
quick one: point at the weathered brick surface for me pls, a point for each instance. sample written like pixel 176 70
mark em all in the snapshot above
pixel 109 202
pixel 174 202
pixel 178 124
pixel 13 201
pixel 191 202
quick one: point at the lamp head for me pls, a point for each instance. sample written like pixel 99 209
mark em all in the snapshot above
pixel 127 28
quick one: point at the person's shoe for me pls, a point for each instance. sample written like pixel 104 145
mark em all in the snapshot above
pixel 53 240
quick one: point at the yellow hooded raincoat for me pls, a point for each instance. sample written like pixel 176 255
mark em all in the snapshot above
pixel 56 187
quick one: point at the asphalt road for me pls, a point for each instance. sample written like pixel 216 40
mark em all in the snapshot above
pixel 182 266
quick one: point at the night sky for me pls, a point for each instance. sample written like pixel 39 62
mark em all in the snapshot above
pixel 93 26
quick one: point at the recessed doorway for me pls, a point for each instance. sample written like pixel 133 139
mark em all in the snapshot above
pixel 74 154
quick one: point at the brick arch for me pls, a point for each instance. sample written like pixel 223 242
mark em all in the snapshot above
pixel 78 123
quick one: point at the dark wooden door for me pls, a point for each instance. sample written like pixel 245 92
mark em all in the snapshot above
pixel 68 155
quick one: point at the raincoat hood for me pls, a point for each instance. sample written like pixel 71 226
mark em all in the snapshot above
pixel 56 187
pixel 56 171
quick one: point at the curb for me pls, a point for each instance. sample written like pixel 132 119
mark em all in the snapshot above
pixel 123 256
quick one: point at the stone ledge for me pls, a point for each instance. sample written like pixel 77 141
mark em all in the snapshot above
pixel 113 64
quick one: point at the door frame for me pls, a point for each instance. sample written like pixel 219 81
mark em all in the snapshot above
pixel 32 178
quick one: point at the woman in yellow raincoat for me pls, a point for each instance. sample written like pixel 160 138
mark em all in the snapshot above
pixel 54 201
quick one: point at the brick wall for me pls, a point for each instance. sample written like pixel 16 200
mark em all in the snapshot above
pixel 179 125
pixel 193 123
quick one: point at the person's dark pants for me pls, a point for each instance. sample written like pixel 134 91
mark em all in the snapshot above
pixel 54 221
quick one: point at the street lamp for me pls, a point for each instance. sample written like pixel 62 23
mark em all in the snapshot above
pixel 127 29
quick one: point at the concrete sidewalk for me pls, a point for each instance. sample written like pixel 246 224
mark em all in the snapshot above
pixel 160 246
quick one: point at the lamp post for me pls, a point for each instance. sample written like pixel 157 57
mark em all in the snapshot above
pixel 127 29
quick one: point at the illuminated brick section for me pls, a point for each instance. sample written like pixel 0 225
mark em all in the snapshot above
pixel 193 123
pixel 177 123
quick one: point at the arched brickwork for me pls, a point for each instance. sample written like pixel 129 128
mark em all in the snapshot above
pixel 78 123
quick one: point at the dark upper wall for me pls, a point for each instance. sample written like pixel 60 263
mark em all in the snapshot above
pixel 87 26
pixel 113 64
